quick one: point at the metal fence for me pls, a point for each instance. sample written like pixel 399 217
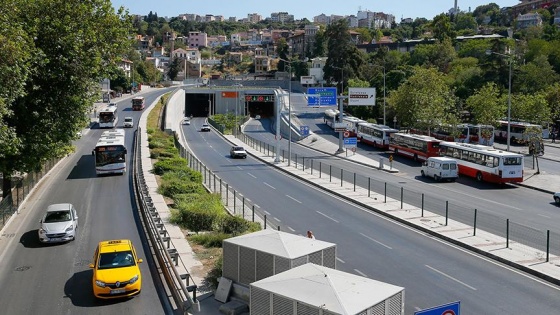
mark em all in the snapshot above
pixel 233 201
pixel 544 242
pixel 21 187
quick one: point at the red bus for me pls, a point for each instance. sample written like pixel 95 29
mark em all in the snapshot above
pixel 351 124
pixel 138 103
pixel 485 163
pixel 418 147
pixel 375 135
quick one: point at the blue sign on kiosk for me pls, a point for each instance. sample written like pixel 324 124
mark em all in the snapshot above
pixel 447 309
pixel 321 96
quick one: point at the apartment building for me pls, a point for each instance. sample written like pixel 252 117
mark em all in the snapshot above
pixel 282 17
pixel 262 61
pixel 191 60
pixel 527 20
pixel 198 39
pixel 254 18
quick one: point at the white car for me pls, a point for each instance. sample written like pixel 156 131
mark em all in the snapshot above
pixel 556 197
pixel 59 224
pixel 128 122
pixel 186 121
pixel 113 104
pixel 205 127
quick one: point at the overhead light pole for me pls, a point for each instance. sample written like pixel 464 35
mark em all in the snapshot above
pixel 510 61
pixel 340 111
pixel 289 110
pixel 384 91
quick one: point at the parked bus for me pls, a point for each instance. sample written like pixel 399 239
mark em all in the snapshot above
pixel 108 117
pixel 479 134
pixel 331 116
pixel 138 103
pixel 375 135
pixel 110 153
pixel 517 131
pixel 351 124
pixel 419 147
pixel 484 162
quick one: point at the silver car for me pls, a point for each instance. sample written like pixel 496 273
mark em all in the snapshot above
pixel 59 224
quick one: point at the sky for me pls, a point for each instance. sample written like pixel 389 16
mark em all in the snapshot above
pixel 302 8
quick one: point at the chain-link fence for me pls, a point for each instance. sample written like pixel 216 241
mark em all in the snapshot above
pixel 533 239
pixel 21 186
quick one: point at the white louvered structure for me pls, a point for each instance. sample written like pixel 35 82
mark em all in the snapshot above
pixel 317 290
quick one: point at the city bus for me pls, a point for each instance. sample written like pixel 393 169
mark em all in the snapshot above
pixel 479 134
pixel 375 135
pixel 418 147
pixel 466 133
pixel 110 153
pixel 517 130
pixel 138 103
pixel 484 162
pixel 331 116
pixel 108 117
pixel 351 124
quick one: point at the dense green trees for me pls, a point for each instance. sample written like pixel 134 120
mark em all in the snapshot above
pixel 61 58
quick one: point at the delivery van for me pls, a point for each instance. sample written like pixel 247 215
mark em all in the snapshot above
pixel 440 168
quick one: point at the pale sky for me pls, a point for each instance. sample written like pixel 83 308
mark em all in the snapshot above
pixel 302 8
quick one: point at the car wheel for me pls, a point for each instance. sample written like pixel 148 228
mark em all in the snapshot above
pixel 422 173
pixel 436 178
pixel 479 176
pixel 557 199
pixel 245 157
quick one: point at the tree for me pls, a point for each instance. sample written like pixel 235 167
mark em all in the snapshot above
pixel 175 67
pixel 439 55
pixel 535 76
pixel 76 45
pixel 441 28
pixel 487 105
pixel 320 44
pixel 283 51
pixel 530 107
pixel 424 100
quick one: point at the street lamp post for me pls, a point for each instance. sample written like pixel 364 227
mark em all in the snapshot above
pixel 289 111
pixel 384 95
pixel 510 60
pixel 340 111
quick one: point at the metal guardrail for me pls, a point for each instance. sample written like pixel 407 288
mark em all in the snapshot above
pixel 534 239
pixel 179 285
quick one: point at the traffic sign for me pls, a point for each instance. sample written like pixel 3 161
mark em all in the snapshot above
pixel 361 96
pixel 304 130
pixel 350 142
pixel 346 134
pixel 447 309
pixel 321 96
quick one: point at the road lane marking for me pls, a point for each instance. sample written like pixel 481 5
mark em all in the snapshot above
pixel 294 199
pixel 251 175
pixel 545 216
pixel 239 167
pixel 450 277
pixel 376 241
pixel 289 228
pixel 267 184
pixel 342 261
pixel 275 218
pixel 326 216
pixel 361 273
pixel 267 213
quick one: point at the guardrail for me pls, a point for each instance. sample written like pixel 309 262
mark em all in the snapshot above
pixel 179 285
pixel 543 241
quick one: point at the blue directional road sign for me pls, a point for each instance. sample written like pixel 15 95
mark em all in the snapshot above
pixel 321 96
pixel 350 142
pixel 304 130
pixel 447 309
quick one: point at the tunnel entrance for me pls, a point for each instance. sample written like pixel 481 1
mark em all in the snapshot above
pixel 198 104
pixel 262 105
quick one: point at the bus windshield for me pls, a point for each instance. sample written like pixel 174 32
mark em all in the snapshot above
pixel 106 117
pixel 109 155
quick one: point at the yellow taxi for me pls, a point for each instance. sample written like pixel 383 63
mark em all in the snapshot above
pixel 115 270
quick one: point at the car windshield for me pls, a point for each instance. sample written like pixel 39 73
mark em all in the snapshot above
pixel 58 216
pixel 116 260
pixel 238 149
pixel 128 119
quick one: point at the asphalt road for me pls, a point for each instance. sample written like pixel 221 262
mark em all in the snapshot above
pixel 56 279
pixel 432 271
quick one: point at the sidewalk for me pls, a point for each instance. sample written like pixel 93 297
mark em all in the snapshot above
pixel 517 255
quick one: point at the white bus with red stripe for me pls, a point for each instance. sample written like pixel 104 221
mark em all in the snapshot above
pixel 375 135
pixel 485 163
pixel 418 147
pixel 351 124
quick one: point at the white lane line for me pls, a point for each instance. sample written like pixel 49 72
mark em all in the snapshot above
pixel 450 277
pixel 326 216
pixel 294 199
pixel 289 228
pixel 342 261
pixel 239 167
pixel 545 216
pixel 361 273
pixel 251 175
pixel 376 241
pixel 267 184
pixel 267 213
pixel 275 218
pixel 257 206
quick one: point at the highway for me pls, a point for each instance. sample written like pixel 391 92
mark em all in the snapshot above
pixel 432 271
pixel 56 279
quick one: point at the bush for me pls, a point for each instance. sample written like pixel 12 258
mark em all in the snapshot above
pixel 236 225
pixel 216 273
pixel 172 185
pixel 213 239
pixel 198 214
pixel 170 165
